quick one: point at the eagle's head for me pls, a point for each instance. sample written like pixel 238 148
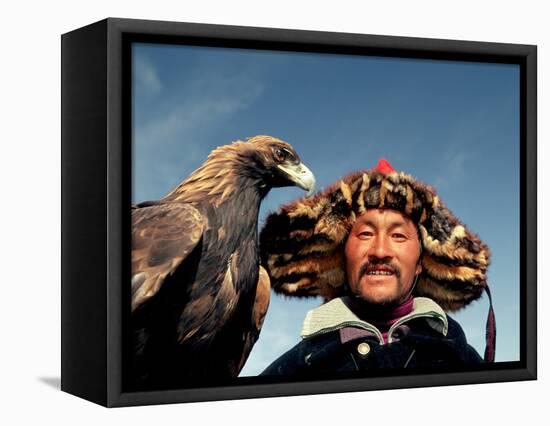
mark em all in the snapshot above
pixel 276 164
pixel 263 162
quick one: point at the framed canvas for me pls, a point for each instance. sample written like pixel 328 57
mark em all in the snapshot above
pixel 146 105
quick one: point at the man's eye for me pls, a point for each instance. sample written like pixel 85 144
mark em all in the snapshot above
pixel 365 234
pixel 399 236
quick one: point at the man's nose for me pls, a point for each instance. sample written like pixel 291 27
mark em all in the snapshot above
pixel 381 247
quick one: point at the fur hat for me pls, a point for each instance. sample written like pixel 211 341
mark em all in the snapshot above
pixel 302 245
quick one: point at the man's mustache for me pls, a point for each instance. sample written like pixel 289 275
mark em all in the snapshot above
pixel 369 264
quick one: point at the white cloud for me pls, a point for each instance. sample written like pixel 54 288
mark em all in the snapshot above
pixel 454 169
pixel 169 146
pixel 193 114
pixel 146 76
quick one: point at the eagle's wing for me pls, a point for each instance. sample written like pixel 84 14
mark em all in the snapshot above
pixel 163 235
pixel 261 303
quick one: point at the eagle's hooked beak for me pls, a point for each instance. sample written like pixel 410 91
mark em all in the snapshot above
pixel 300 175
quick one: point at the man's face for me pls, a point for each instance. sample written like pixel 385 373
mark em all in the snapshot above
pixel 382 253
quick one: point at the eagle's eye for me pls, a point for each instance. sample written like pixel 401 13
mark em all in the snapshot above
pixel 282 154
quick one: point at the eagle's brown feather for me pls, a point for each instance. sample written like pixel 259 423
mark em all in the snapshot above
pixel 162 237
pixel 216 178
pixel 212 308
pixel 261 303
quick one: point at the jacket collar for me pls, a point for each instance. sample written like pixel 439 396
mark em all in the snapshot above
pixel 335 315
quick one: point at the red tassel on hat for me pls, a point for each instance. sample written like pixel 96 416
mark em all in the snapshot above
pixel 384 167
pixel 490 331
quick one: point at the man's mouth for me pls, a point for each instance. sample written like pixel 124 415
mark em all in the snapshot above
pixel 377 269
pixel 380 270
pixel 379 273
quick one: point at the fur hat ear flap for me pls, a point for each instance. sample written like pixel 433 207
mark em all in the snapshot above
pixel 454 260
pixel 302 245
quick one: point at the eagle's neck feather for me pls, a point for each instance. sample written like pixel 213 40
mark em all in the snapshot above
pixel 225 173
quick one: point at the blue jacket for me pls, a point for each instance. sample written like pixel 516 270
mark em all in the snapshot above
pixel 335 340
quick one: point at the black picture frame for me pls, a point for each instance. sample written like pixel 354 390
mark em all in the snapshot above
pixel 96 198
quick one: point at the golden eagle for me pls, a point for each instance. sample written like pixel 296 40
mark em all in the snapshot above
pixel 199 296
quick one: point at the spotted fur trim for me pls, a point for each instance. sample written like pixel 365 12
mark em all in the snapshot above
pixel 302 244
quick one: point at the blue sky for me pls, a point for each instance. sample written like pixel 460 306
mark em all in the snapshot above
pixel 454 125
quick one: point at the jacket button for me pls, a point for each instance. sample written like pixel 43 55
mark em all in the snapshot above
pixel 363 349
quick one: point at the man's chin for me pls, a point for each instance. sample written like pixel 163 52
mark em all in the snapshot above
pixel 379 298
pixel 378 289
